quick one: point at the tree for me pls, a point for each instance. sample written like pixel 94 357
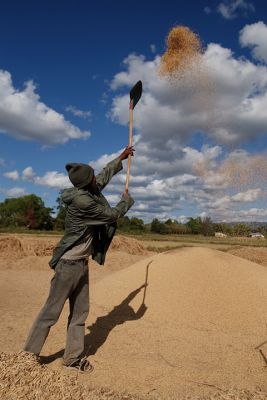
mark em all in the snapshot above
pixel 224 228
pixel 195 224
pixel 181 229
pixel 241 230
pixel 124 223
pixel 26 211
pixel 30 218
pixel 59 223
pixel 169 222
pixel 155 226
pixel 137 224
pixel 160 227
pixel 207 227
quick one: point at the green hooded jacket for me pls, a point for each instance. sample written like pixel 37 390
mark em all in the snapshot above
pixel 84 209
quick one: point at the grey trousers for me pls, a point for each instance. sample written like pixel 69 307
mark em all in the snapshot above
pixel 71 282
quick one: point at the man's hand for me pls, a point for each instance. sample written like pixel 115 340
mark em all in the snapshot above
pixel 126 152
pixel 126 193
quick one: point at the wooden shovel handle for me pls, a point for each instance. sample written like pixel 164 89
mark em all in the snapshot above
pixel 130 144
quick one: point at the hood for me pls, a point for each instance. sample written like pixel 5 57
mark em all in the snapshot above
pixel 68 195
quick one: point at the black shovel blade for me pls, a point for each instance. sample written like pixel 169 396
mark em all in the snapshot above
pixel 136 93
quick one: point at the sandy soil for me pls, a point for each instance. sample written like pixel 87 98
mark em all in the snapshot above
pixel 197 329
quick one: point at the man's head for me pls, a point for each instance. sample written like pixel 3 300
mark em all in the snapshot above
pixel 80 175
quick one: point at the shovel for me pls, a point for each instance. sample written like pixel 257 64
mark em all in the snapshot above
pixel 135 95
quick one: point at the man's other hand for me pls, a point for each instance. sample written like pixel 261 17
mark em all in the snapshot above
pixel 129 150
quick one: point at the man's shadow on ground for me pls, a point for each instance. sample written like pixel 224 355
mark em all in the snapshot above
pixel 100 330
pixel 120 314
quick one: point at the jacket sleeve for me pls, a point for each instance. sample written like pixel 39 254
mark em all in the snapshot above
pixel 98 214
pixel 111 169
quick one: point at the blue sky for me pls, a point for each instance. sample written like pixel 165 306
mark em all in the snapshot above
pixel 65 73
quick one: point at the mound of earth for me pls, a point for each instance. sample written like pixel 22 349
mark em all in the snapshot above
pixel 199 326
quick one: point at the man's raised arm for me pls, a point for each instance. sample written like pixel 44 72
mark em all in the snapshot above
pixel 112 168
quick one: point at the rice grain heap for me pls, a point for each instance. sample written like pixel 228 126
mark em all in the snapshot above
pixel 22 377
pixel 183 51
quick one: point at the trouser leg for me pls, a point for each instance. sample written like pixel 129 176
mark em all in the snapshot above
pixel 60 289
pixel 79 309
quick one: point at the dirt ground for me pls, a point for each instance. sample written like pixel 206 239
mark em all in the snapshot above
pixel 197 330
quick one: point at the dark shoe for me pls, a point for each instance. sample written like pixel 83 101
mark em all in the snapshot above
pixel 82 365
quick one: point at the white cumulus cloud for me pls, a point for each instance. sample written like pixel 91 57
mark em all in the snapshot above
pixel 228 103
pixel 248 196
pixel 224 98
pixel 28 173
pixel 53 179
pixel 254 36
pixel 24 116
pixel 14 175
pixel 13 192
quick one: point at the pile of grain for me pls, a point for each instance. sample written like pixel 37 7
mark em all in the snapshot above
pixel 128 245
pixel 13 246
pixel 183 51
pixel 254 254
pixel 201 326
pixel 22 377
pixel 197 329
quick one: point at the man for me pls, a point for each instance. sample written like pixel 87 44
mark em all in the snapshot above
pixel 90 225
